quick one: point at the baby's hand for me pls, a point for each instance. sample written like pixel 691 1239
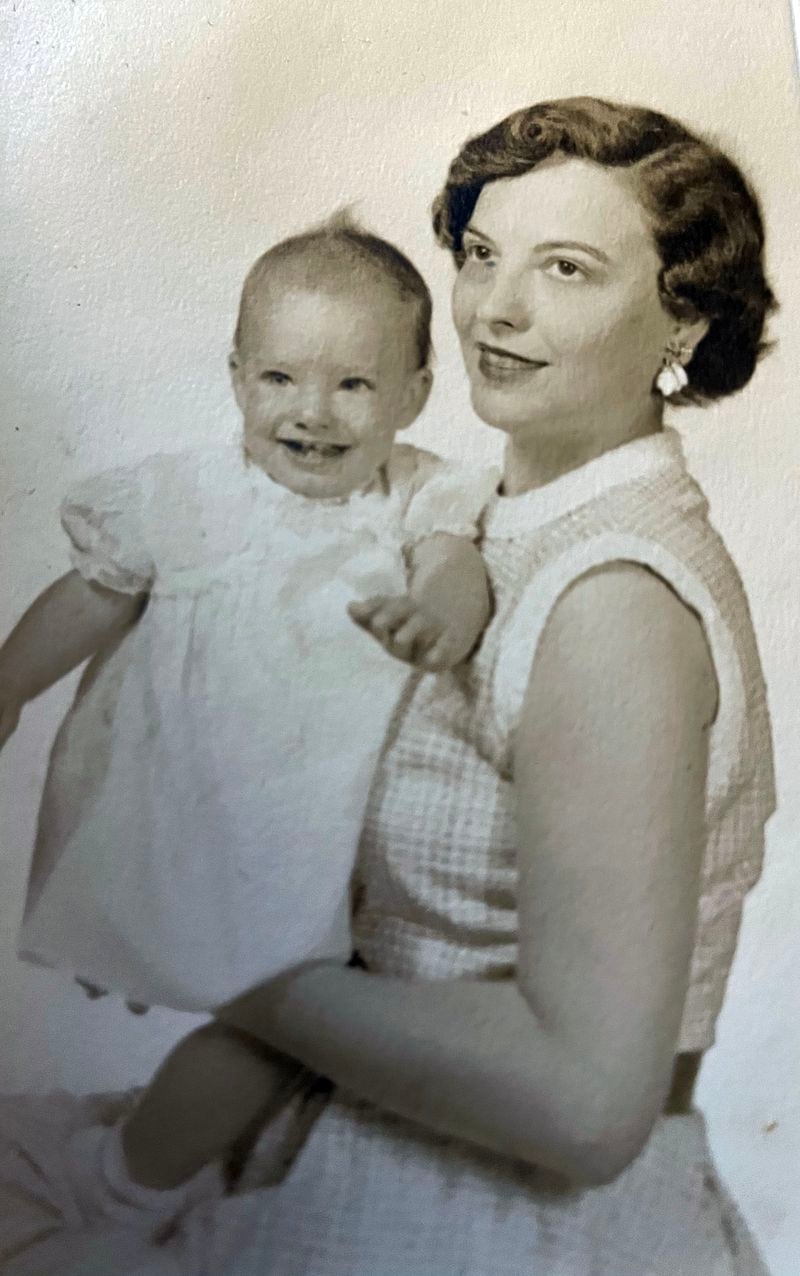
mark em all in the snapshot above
pixel 410 632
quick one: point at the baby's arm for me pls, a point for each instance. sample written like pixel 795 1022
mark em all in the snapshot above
pixel 69 622
pixel 438 622
pixel 216 1090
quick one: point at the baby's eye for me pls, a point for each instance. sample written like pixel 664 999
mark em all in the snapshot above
pixel 274 377
pixel 477 252
pixel 355 383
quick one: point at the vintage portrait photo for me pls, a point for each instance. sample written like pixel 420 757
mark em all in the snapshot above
pixel 399 721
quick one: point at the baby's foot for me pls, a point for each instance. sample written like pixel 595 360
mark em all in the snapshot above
pixel 85 1216
pixel 106 1193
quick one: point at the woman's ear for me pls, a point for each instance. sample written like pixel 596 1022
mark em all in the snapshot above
pixel 688 337
pixel 419 388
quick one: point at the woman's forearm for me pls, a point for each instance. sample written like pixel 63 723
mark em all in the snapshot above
pixel 466 1058
pixel 66 625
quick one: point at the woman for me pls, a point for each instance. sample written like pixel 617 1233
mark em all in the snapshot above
pixel 562 833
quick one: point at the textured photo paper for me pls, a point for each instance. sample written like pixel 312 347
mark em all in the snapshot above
pixel 152 157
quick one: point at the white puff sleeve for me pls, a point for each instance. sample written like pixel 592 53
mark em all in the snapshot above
pixel 446 496
pixel 104 519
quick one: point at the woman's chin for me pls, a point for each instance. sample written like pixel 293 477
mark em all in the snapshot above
pixel 502 412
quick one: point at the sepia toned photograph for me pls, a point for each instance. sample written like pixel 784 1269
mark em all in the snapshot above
pixel 399 722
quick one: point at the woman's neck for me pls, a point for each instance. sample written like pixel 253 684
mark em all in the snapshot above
pixel 538 457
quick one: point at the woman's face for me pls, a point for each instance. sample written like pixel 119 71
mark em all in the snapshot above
pixel 557 305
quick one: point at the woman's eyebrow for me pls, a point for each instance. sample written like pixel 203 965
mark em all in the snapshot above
pixel 473 230
pixel 551 244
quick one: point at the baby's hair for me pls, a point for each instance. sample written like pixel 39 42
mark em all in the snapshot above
pixel 340 254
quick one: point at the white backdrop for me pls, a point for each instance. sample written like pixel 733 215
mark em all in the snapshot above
pixel 153 151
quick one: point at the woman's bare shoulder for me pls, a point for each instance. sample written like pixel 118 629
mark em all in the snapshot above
pixel 625 612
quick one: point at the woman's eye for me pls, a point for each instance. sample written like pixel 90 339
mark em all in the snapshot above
pixel 273 377
pixel 477 252
pixel 355 383
pixel 565 269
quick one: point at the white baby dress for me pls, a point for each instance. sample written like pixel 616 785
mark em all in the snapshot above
pixel 207 789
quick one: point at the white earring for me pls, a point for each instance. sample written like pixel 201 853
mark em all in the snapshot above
pixel 673 376
pixel 671 379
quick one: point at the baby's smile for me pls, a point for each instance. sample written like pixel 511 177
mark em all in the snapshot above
pixel 314 449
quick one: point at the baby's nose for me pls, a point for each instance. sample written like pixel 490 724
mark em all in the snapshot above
pixel 314 414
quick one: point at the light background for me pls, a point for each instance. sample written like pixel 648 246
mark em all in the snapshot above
pixel 153 151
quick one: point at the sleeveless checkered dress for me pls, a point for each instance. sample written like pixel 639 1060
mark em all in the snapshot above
pixel 371 1195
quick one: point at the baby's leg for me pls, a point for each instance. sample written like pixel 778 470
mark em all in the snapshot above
pixel 216 1088
pixel 77 1181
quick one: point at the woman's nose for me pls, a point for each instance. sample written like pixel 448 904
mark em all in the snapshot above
pixel 504 304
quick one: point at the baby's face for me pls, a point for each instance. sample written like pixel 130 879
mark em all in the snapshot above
pixel 324 385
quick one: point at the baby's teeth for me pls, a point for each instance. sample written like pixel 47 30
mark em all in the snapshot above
pixel 325 450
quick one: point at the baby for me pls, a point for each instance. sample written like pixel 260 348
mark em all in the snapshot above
pixel 205 796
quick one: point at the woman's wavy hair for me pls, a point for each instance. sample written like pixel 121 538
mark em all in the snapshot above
pixel 705 218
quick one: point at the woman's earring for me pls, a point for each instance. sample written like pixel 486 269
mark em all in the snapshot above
pixel 673 376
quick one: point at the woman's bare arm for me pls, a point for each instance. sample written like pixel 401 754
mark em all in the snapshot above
pixel 611 770
pixel 569 1066
pixel 68 622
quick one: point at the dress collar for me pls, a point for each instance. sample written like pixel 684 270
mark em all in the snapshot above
pixel 643 458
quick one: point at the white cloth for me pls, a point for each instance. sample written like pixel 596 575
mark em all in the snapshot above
pixel 50 1224
pixel 369 1195
pixel 206 792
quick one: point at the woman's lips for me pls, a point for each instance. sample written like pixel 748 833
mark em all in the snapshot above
pixel 496 364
